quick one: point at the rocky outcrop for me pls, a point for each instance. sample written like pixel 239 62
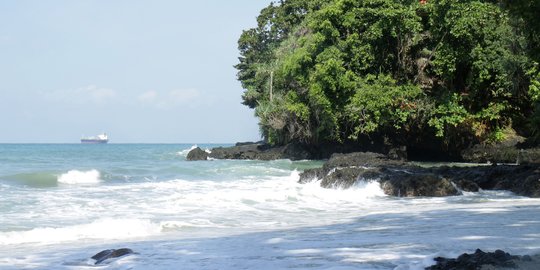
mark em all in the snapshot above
pixel 513 149
pixel 292 151
pixel 399 178
pixel 261 151
pixel 479 260
pixel 197 154
pixel 501 154
pixel 408 184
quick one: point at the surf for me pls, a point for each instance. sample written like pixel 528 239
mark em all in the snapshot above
pixel 75 177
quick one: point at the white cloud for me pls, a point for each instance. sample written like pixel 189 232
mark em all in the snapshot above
pixel 83 95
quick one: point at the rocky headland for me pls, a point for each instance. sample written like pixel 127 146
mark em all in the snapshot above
pixel 263 151
pixel 510 169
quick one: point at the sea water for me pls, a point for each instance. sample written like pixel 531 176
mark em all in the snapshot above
pixel 60 204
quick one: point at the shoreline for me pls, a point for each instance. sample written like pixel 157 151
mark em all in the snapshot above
pixel 397 176
pixel 245 214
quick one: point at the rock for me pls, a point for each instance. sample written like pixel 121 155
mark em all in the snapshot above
pixel 467 185
pixel 508 151
pixel 491 153
pixel 297 151
pixel 261 151
pixel 348 176
pixel 476 260
pixel 399 178
pixel 399 153
pixel 310 175
pixel 197 154
pixel 365 159
pixel 417 184
pixel 247 143
pixel 243 151
pixel 111 253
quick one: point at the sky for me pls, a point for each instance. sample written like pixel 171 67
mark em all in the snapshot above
pixel 152 71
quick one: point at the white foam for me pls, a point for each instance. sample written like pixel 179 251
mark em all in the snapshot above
pixel 185 152
pixel 74 177
pixel 369 189
pixel 262 218
pixel 100 229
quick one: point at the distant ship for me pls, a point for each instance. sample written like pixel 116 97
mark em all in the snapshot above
pixel 101 138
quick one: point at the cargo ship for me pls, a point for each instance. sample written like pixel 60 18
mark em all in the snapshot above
pixel 101 138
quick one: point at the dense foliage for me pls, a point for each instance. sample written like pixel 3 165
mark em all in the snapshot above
pixel 452 71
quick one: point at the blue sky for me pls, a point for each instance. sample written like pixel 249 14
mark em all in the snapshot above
pixel 142 71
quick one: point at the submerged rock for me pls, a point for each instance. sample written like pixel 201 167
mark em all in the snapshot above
pixel 477 260
pixel 111 253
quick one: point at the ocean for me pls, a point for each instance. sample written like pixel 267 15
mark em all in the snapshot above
pixel 62 203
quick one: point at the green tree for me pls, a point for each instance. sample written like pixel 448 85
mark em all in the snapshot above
pixel 456 71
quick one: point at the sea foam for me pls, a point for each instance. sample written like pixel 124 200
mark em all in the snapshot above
pixel 185 152
pixel 107 228
pixel 74 177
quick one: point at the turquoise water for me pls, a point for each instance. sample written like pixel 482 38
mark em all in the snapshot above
pixel 62 203
pixel 39 165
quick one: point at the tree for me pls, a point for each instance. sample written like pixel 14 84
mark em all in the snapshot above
pixel 456 71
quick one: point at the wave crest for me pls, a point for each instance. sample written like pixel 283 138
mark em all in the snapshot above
pixel 74 177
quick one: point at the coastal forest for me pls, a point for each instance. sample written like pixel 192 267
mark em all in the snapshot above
pixel 438 75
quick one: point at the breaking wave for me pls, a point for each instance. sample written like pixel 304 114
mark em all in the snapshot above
pixel 74 177
pixel 185 152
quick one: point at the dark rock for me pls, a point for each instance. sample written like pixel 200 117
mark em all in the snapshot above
pixel 399 153
pixel 399 178
pixel 489 153
pixel 467 185
pixel 247 143
pixel 236 152
pixel 296 151
pixel 505 152
pixel 332 171
pixel 111 253
pixel 366 159
pixel 261 151
pixel 311 175
pixel 348 176
pixel 197 154
pixel 475 261
pixel 417 184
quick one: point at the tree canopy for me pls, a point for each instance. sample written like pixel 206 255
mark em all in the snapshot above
pixel 452 71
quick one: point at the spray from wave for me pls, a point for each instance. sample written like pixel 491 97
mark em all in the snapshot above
pixel 74 177
pixel 185 152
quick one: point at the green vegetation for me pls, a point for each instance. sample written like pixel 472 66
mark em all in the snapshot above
pixel 452 71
